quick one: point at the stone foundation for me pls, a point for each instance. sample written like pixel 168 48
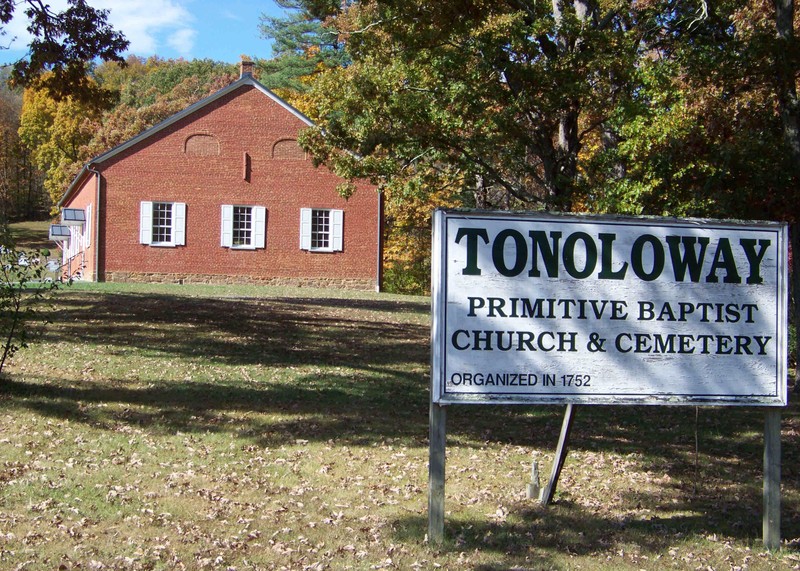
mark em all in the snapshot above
pixel 331 283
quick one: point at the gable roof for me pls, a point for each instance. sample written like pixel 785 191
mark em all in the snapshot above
pixel 244 81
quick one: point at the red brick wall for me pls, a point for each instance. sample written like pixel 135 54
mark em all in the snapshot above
pixel 85 195
pixel 246 123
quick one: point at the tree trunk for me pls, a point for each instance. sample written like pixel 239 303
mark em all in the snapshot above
pixel 786 69
pixel 568 140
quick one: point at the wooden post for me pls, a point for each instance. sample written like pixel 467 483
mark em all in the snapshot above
pixel 561 454
pixel 436 458
pixel 795 288
pixel 772 479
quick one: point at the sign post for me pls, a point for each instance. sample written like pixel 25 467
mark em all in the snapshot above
pixel 772 480
pixel 436 474
pixel 561 455
pixel 566 309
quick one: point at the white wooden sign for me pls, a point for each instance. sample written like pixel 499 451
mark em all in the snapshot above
pixel 589 310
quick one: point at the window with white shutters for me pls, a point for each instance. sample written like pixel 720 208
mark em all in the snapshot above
pixel 162 223
pixel 243 227
pixel 321 229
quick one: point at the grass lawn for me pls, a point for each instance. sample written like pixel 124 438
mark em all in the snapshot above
pixel 32 235
pixel 189 427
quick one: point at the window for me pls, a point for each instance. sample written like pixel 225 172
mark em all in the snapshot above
pixel 243 227
pixel 162 223
pixel 73 217
pixel 78 223
pixel 321 230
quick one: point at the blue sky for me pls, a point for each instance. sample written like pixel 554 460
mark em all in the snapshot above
pixel 192 29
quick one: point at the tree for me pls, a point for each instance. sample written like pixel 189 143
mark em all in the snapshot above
pixel 702 134
pixel 55 130
pixel 503 93
pixel 63 44
pixel 654 107
pixel 25 284
pixel 303 44
pixel 787 64
pixel 21 191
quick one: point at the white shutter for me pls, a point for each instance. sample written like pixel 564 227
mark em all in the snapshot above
pixel 259 226
pixel 227 226
pixel 337 230
pixel 179 223
pixel 146 223
pixel 305 228
pixel 88 230
pixel 74 240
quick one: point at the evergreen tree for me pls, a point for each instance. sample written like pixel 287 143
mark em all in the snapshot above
pixel 303 44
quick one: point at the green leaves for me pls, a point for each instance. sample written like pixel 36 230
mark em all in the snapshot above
pixel 25 282
pixel 657 107
pixel 485 89
pixel 63 45
pixel 302 45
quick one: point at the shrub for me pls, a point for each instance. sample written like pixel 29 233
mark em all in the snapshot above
pixel 25 283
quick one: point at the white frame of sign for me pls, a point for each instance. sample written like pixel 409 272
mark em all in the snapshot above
pixel 537 308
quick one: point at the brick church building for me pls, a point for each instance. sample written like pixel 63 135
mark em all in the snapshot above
pixel 220 193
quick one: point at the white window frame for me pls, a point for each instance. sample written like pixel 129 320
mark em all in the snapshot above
pixel 178 224
pixel 335 234
pixel 258 236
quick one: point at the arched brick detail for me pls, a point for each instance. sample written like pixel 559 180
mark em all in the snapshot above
pixel 201 145
pixel 288 149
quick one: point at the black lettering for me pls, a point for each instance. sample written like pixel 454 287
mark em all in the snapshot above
pixel 723 259
pixel 549 253
pixel 754 258
pixel 569 255
pixel 607 261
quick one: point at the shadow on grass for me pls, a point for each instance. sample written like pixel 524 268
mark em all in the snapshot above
pixel 383 394
pixel 277 331
pixel 722 494
pixel 568 528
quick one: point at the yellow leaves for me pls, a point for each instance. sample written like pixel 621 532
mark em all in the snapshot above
pixel 55 131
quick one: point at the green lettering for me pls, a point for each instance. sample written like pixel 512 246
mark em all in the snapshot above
pixel 472 234
pixel 606 259
pixel 691 259
pixel 754 258
pixel 637 257
pixel 539 243
pixel 723 259
pixel 569 255
pixel 520 253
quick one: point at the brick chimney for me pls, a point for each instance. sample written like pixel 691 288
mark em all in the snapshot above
pixel 246 68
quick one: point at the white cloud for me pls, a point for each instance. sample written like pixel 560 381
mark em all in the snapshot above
pixel 149 25
pixel 182 41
